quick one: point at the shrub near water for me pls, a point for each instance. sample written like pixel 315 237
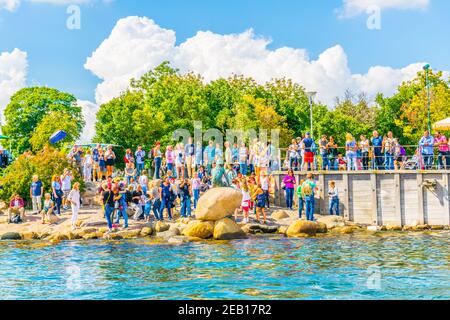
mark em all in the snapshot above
pixel 45 164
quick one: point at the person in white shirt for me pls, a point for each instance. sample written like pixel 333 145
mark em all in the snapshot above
pixel 66 186
pixel 88 164
pixel 74 199
pixel 246 201
pixel 264 181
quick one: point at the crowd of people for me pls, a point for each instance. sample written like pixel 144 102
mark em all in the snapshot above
pixel 377 153
pixel 153 182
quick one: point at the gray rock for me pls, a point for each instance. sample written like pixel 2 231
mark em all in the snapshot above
pixel 11 236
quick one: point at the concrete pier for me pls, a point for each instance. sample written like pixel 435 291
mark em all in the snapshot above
pixel 401 198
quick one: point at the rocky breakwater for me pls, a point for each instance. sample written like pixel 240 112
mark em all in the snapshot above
pixel 214 216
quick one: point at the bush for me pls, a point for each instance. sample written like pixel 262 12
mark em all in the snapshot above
pixel 17 177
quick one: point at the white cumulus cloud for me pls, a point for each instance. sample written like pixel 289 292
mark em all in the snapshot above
pixel 13 74
pixel 89 111
pixel 353 8
pixel 137 44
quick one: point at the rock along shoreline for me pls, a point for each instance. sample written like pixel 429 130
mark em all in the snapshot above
pixel 282 223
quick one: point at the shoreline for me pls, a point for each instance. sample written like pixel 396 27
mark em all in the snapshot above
pixel 281 223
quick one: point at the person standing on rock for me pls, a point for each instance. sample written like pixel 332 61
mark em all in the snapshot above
pixel 165 196
pixel 88 164
pixel 246 201
pixel 66 186
pixel 120 204
pixel 308 188
pixel 333 194
pixel 289 184
pixel 75 202
pixel 155 199
pixel 36 193
pixel 185 197
pixel 264 180
pixel 301 200
pixel 196 184
pixel 260 204
pixel 108 203
pixel 189 153
pixel 57 194
pixel 157 156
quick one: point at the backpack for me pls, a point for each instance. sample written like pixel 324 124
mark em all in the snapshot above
pixel 306 189
pixel 16 219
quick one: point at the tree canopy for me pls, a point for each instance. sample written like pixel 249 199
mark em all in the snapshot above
pixel 29 106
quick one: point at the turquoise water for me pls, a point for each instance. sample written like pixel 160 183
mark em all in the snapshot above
pixel 414 266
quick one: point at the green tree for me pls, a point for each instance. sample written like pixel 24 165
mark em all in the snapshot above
pixel 52 122
pixel 29 106
pixel 115 122
pixel 406 112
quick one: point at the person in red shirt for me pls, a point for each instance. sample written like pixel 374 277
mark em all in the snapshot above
pixel 16 208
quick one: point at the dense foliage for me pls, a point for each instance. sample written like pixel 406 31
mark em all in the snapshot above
pixel 46 163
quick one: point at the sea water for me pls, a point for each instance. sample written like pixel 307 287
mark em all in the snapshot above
pixel 407 266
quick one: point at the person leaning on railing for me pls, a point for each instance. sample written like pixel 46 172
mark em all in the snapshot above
pixel 426 145
pixel 442 143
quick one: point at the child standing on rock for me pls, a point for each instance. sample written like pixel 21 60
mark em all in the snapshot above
pixel 260 203
pixel 74 199
pixel 334 198
pixel 301 200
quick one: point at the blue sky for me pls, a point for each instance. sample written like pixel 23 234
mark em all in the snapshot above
pixel 56 55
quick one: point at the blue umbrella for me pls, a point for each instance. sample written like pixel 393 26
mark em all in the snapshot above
pixel 58 136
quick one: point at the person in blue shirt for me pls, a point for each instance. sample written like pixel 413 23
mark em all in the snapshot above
pixel 210 154
pixel 426 146
pixel 140 160
pixel 198 155
pixel 36 193
pixel 377 143
pixel 120 204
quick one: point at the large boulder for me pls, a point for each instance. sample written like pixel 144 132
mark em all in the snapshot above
pixel 332 221
pixel 218 203
pixel 199 229
pixel 169 234
pixel 29 235
pixel 345 229
pixel 161 226
pixel 227 229
pixel 393 227
pixel 321 227
pixel 11 236
pixel 129 234
pixel 146 231
pixel 301 228
pixel 280 215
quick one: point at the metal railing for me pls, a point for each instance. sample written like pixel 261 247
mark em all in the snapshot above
pixel 374 159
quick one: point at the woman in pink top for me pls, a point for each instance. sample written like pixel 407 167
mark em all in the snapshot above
pixel 170 158
pixel 289 184
pixel 444 151
pixel 196 183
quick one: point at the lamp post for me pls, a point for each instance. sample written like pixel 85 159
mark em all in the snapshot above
pixel 311 95
pixel 427 83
